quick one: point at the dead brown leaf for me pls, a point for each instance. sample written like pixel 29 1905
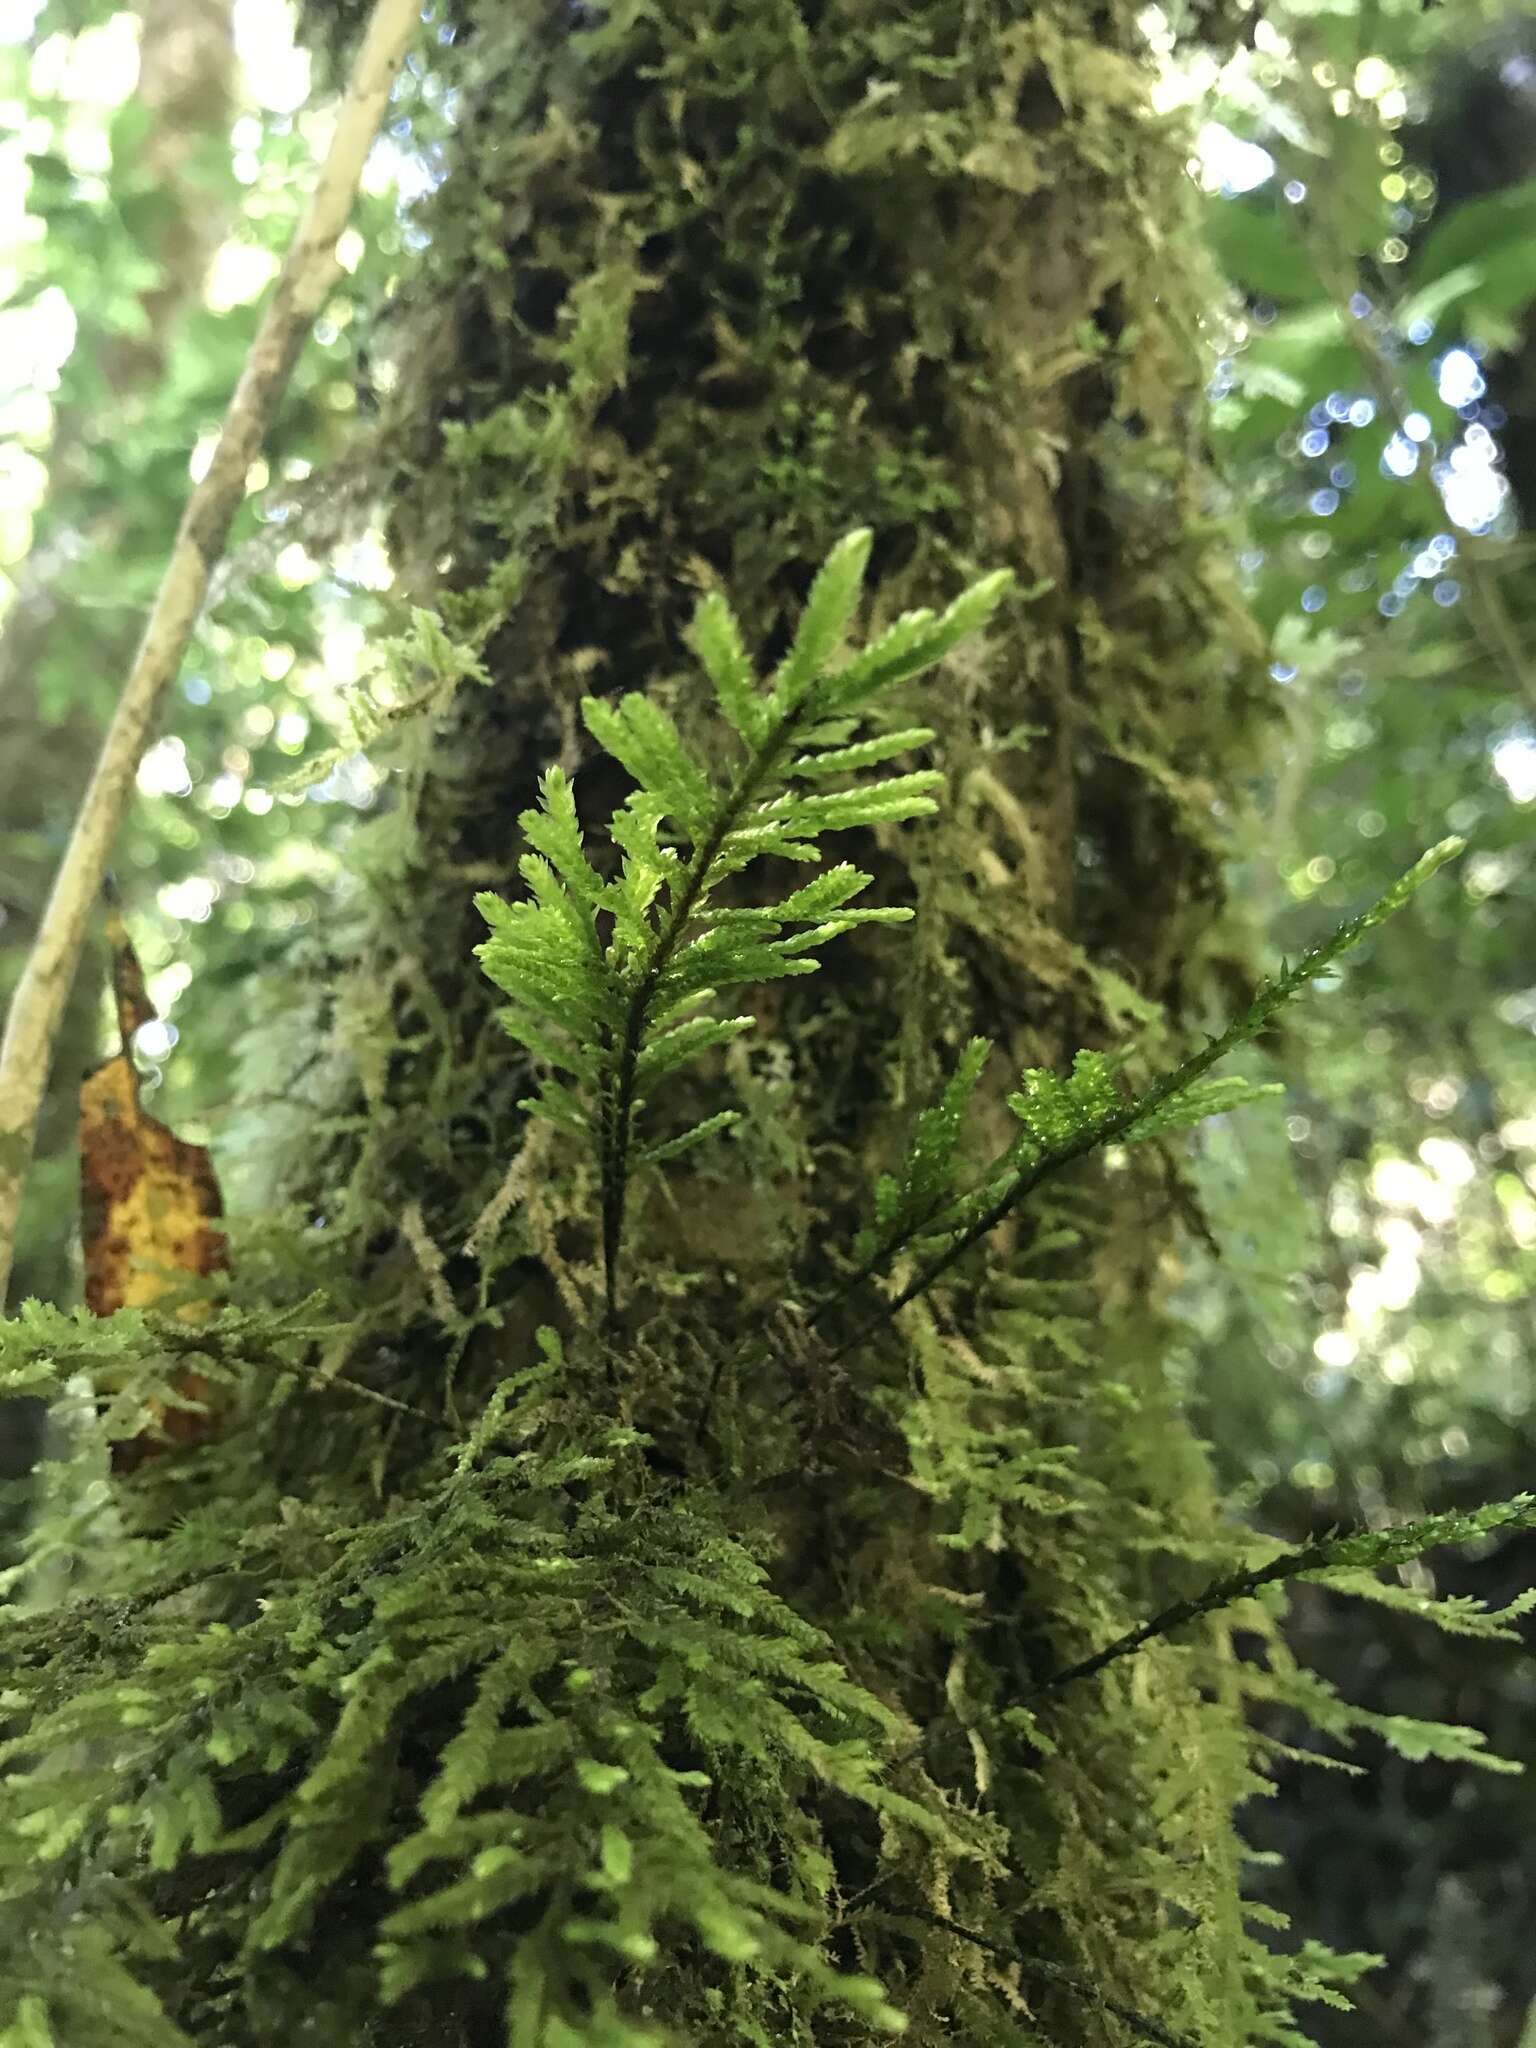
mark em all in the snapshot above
pixel 149 1201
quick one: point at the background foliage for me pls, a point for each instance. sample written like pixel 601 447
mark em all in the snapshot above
pixel 1376 414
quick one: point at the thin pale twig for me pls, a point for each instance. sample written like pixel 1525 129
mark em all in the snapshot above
pixel 309 272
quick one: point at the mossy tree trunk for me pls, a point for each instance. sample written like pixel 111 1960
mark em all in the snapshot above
pixel 709 284
pixel 722 282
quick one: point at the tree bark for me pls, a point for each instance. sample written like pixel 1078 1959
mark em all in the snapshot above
pixel 716 285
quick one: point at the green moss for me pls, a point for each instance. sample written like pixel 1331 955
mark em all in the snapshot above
pixel 679 1682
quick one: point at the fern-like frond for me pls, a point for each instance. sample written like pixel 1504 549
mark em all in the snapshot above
pixel 605 977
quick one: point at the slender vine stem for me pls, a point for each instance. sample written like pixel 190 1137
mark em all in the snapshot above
pixel 1139 2024
pixel 1351 1549
pixel 1224 1593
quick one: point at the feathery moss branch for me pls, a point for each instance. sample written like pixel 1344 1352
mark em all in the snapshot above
pixel 1065 1118
pixel 1355 1551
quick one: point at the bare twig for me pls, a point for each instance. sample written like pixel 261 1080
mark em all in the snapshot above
pixel 307 276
